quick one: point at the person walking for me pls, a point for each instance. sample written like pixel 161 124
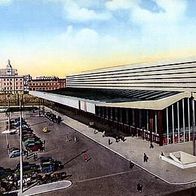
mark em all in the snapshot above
pixel 139 187
pixel 145 158
pixel 131 165
pixel 109 142
pixel 85 157
pixel 151 145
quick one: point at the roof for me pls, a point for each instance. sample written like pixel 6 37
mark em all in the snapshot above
pixel 137 99
pixel 114 95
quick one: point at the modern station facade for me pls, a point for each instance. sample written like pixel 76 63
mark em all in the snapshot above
pixel 152 101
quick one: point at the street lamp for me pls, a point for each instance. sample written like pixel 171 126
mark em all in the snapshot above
pixel 21 153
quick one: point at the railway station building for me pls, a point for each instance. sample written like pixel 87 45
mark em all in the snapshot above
pixel 154 101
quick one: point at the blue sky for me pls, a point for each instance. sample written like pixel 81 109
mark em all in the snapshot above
pixel 59 37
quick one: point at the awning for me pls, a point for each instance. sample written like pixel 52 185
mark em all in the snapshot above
pixel 125 98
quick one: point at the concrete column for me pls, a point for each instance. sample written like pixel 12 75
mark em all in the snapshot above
pixel 147 116
pixel 178 116
pixel 167 125
pixel 121 115
pixel 133 117
pixel 189 121
pixel 111 113
pixel 193 125
pixel 156 121
pixel 173 134
pixel 127 116
pixel 140 118
pixel 116 114
pixel 106 112
pixel 183 116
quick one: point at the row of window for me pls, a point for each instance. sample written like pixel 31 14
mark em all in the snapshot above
pixel 44 84
pixel 43 89
pixel 16 88
pixel 11 79
pixel 12 83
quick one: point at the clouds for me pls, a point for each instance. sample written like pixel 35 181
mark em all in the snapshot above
pixel 5 2
pixel 88 41
pixel 84 11
pixel 88 31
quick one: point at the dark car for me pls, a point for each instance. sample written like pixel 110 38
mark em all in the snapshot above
pixel 48 165
pixel 28 135
pixel 27 167
pixel 5 172
pixel 34 146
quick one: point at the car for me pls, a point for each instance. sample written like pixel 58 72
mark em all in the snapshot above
pixel 33 147
pixel 28 167
pixel 28 135
pixel 45 130
pixel 15 153
pixel 32 140
pixel 5 172
pixel 48 165
pixel 51 116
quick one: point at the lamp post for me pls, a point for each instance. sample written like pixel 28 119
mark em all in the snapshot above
pixel 21 153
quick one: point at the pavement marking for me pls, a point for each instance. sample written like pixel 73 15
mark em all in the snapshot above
pixel 123 156
pixel 46 188
pixel 105 176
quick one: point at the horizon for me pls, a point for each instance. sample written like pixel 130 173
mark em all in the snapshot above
pixel 64 37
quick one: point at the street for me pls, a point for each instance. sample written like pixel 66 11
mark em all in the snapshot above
pixel 93 169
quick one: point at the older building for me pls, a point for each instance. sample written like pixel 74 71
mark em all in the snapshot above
pixel 46 83
pixel 10 81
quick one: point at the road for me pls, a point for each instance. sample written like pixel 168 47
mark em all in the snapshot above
pixel 104 172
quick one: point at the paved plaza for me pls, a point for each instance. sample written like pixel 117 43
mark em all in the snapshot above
pixel 104 172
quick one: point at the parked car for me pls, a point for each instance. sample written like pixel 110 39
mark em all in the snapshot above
pixel 5 172
pixel 15 153
pixel 28 135
pixel 34 146
pixel 28 167
pixel 32 140
pixel 51 116
pixel 48 165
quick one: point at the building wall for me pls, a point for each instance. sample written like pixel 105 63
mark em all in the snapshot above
pixel 46 85
pixel 11 84
pixel 169 76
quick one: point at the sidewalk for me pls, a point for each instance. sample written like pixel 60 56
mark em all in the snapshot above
pixel 134 148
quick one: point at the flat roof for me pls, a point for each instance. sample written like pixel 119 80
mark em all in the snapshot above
pixel 114 95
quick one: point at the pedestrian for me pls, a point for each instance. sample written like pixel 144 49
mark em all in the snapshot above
pixel 67 138
pixel 131 164
pixel 85 156
pixel 139 187
pixel 109 142
pixel 145 158
pixel 151 145
pixel 162 154
pixel 75 139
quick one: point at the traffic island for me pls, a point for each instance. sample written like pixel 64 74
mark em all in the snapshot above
pixel 46 188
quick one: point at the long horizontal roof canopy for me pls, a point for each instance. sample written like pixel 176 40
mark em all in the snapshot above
pixel 138 99
pixel 114 95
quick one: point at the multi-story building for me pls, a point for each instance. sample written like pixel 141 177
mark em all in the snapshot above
pixel 153 101
pixel 10 81
pixel 46 83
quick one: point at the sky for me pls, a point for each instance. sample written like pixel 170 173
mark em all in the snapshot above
pixel 62 37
